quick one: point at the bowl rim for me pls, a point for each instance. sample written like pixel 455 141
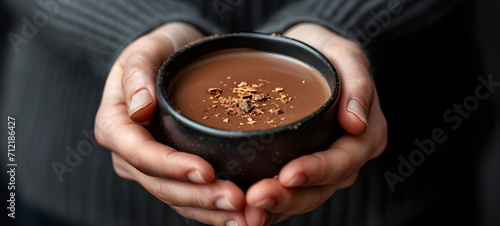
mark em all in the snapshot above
pixel 165 104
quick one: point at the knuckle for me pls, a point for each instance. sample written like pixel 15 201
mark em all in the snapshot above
pixel 341 166
pixel 170 158
pixel 349 166
pixel 362 77
pixel 346 50
pixel 321 160
pixel 99 135
pixel 135 69
pixel 349 49
pixel 379 150
pixel 352 50
pixel 204 202
pixel 201 199
pixel 101 127
pixel 131 72
pixel 160 190
pixel 362 85
pixel 175 160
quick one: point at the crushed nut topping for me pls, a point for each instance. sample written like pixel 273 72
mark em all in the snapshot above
pixel 249 102
pixel 215 91
pixel 278 89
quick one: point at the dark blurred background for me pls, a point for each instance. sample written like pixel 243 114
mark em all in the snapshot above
pixel 6 21
pixel 418 81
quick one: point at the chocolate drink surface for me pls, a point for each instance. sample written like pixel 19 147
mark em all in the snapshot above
pixel 244 90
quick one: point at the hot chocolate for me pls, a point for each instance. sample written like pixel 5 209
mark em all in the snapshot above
pixel 243 90
pixel 247 103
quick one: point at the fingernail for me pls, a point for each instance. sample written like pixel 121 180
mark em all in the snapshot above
pixel 231 223
pixel 139 100
pixel 224 204
pixel 297 181
pixel 266 204
pixel 357 109
pixel 195 177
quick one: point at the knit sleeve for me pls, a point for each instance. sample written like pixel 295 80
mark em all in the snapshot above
pixel 357 20
pixel 101 29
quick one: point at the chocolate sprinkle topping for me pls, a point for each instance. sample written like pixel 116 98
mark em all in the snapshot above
pixel 250 102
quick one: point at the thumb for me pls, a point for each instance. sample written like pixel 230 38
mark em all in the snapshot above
pixel 358 89
pixel 357 92
pixel 141 61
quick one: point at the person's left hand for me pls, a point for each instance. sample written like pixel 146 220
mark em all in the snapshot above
pixel 184 181
pixel 307 182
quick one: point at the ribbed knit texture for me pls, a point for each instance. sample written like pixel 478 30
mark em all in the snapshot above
pixel 103 28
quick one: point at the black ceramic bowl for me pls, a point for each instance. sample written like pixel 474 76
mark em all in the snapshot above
pixel 246 157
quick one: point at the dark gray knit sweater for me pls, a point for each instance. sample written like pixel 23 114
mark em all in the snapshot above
pixel 60 53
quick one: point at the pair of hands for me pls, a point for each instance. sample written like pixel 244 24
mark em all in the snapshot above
pixel 187 183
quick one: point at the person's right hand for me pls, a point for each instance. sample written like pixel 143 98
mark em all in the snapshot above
pixel 184 181
pixel 306 182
